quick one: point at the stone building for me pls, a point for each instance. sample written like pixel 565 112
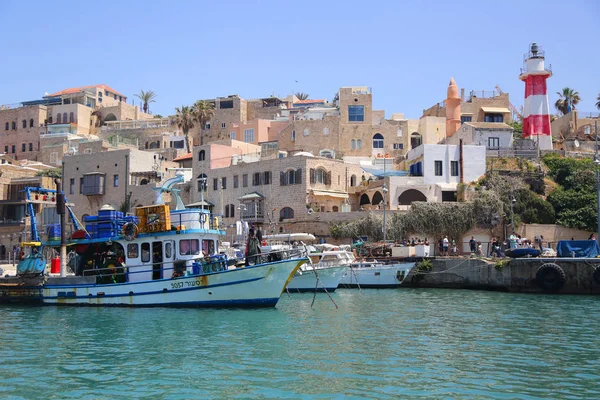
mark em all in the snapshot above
pixel 113 177
pixel 21 128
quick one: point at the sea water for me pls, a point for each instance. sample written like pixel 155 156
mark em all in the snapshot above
pixel 394 343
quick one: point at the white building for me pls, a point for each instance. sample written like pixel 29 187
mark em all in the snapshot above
pixel 435 172
pixel 492 135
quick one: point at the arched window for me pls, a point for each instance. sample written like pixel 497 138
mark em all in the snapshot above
pixel 409 196
pixel 31 123
pixel 377 199
pixel 65 120
pixel 327 153
pixel 364 199
pixel 72 117
pixel 24 123
pixel 335 209
pixel 201 155
pixel 144 181
pixel 306 132
pixel 325 131
pixel 415 140
pixel 359 144
pixel 6 126
pixel 59 118
pixel 202 179
pixel 353 143
pixel 154 145
pixel 14 126
pixel 378 141
pixel 293 135
pixel 353 180
pixel 286 213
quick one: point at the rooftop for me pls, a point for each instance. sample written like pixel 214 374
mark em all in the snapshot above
pixel 81 88
pixel 184 157
pixel 489 125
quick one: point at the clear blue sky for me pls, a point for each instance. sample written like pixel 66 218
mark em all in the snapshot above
pixel 190 50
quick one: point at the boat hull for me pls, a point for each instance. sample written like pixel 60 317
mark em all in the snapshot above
pixel 255 286
pixel 307 281
pixel 376 277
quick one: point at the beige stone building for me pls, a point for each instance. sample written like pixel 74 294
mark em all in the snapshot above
pixel 21 128
pixel 110 177
pixel 575 132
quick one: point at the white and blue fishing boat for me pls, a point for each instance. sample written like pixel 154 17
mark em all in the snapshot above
pixel 162 257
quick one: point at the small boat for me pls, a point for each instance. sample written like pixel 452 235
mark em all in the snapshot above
pixel 374 274
pixel 324 273
pixel 522 252
pixel 161 257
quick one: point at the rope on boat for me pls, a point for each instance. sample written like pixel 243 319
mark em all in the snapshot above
pixel 324 288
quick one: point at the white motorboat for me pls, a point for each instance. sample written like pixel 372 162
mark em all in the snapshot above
pixel 324 273
pixel 373 274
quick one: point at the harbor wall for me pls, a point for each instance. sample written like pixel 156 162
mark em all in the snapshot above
pixel 516 275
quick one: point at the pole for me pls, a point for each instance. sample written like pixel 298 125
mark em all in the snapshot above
pixel 597 163
pixel 60 210
pixel 384 190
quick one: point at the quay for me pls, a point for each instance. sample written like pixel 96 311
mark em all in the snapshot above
pixel 524 275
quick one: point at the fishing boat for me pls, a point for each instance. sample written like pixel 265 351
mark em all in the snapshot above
pixel 323 273
pixel 162 257
pixel 376 275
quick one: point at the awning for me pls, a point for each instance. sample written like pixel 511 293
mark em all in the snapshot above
pixel 252 196
pixel 498 110
pixel 199 204
pixel 330 194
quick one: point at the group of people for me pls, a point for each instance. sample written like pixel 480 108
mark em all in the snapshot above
pixel 447 247
pixel 517 242
pixel 412 242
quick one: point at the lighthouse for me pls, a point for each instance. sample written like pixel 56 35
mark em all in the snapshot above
pixel 536 115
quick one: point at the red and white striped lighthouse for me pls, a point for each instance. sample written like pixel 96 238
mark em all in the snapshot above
pixel 536 115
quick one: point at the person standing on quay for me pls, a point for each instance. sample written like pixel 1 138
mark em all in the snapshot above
pixel 252 249
pixel 445 244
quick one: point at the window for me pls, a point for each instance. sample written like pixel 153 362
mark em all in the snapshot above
pixel 115 96
pixel 59 118
pixel 415 140
pixel 6 149
pixel 201 155
pixel 223 125
pixel 327 153
pixel 236 182
pixel 121 99
pixel 207 126
pixel 465 118
pixel 378 141
pixel 24 147
pixel 65 121
pixel 321 176
pixel 87 151
pixel 229 211
pixel 454 168
pixel 105 93
pixel 145 252
pixel 232 135
pixel 14 126
pixel 398 146
pixel 291 177
pixel 335 209
pixel 215 183
pixel 256 179
pixel 93 184
pixel 245 180
pixel 399 132
pixel 24 123
pixel 116 180
pixel 224 104
pixel 224 183
pixel 306 132
pixel 494 117
pixel 189 247
pixel 249 135
pixel 267 178
pixel 293 135
pixel 208 246
pixel 168 250
pixel 353 180
pixel 13 149
pixel 356 113
pixel 353 144
pixel 493 143
pixel 72 117
pixel 31 123
pixel 438 168
pixel 202 183
pixel 286 213
pixel 359 144
pixel 72 186
pixel 6 126
pixel 325 131
pixel 81 185
pixel 133 250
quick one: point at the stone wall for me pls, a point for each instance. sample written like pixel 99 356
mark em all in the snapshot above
pixel 25 124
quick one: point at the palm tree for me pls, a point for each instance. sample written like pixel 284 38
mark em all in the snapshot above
pixel 302 96
pixel 184 119
pixel 203 112
pixel 146 98
pixel 567 101
pixel 598 102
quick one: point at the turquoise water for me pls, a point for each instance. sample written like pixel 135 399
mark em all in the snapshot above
pixel 378 344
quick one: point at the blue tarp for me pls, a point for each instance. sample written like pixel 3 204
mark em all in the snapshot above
pixel 578 248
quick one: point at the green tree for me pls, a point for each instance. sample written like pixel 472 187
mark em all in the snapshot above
pixel 184 119
pixel 51 173
pixel 302 96
pixel 517 126
pixel 203 112
pixel 146 98
pixel 567 97
pixel 598 102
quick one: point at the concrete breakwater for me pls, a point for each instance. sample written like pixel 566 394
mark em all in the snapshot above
pixel 528 275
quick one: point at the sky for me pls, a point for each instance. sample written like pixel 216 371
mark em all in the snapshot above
pixel 406 51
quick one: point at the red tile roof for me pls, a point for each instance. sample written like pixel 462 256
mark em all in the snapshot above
pixel 184 157
pixel 308 101
pixel 79 89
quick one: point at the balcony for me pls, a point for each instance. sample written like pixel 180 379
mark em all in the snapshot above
pixel 136 124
